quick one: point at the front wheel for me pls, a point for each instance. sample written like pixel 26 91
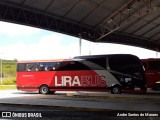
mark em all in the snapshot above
pixel 116 90
pixel 44 89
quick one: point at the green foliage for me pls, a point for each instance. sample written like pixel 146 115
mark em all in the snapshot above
pixel 8 72
pixel 8 87
pixel 9 81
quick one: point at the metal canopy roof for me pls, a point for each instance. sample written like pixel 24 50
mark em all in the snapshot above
pixel 131 22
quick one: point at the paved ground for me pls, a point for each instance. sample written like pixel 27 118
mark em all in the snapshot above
pixel 54 113
pixel 90 101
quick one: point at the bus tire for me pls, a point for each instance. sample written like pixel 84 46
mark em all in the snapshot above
pixel 44 89
pixel 116 89
pixel 156 87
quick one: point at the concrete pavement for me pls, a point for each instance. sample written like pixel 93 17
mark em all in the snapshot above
pixel 126 102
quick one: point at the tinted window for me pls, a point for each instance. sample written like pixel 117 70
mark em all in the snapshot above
pixel 154 65
pixel 21 67
pixel 44 66
pixel 48 66
pixel 125 64
pixel 64 66
pixel 32 67
pixel 72 65
pixel 93 66
pixel 99 61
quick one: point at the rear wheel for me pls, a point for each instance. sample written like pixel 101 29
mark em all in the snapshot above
pixel 44 89
pixel 116 89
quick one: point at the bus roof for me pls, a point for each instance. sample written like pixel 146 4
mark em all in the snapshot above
pixel 52 60
pixel 76 58
pixel 103 55
pixel 151 59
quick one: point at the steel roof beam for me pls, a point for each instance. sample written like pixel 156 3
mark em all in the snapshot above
pixel 133 23
pixel 146 24
pixel 139 19
pixel 27 16
pixel 37 19
pixel 122 16
pixel 115 12
pixel 130 40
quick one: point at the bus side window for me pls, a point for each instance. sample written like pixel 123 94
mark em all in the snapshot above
pixel 32 67
pixel 41 67
pixel 154 65
pixel 99 61
pixel 92 66
pixel 66 65
pixel 49 66
pixel 72 65
pixel 21 67
pixel 28 67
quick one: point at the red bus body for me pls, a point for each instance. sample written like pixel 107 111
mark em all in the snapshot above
pixel 80 75
pixel 63 80
pixel 152 72
pixel 83 80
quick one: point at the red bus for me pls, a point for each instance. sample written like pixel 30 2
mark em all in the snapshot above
pixel 115 73
pixel 152 70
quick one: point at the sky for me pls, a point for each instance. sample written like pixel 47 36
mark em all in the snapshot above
pixel 28 43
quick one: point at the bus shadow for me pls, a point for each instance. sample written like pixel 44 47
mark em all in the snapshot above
pixel 37 93
pixel 157 93
pixel 149 93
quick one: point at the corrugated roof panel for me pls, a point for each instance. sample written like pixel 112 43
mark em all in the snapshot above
pixel 104 10
pixel 14 1
pixel 148 27
pixel 92 18
pixel 81 10
pixel 157 21
pixel 61 7
pixel 145 29
pixel 134 27
pixel 157 36
pixel 38 4
pixel 114 4
pixel 98 1
pixel 128 24
pixel 153 31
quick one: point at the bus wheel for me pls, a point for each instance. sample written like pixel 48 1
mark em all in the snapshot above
pixel 156 87
pixel 116 89
pixel 44 89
